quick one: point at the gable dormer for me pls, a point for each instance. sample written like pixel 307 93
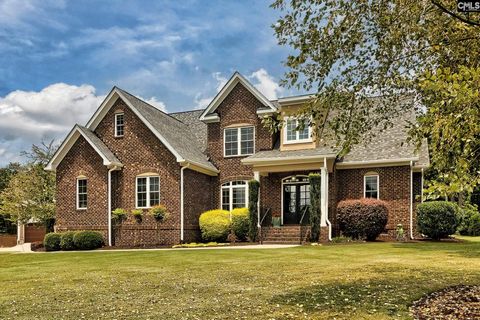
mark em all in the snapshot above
pixel 210 115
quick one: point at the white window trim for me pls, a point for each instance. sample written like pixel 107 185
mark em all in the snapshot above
pixel 365 185
pixel 239 142
pixel 148 190
pixel 78 194
pixel 297 132
pixel 230 194
pixel 115 124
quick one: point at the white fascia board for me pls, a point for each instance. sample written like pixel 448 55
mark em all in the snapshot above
pixel 297 159
pixel 67 144
pixel 227 88
pixel 295 99
pixel 370 163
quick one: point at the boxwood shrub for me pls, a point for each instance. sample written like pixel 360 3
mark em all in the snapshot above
pixel 240 223
pixel 215 225
pixel 66 241
pixel 437 219
pixel 88 240
pixel 468 219
pixel 362 218
pixel 52 241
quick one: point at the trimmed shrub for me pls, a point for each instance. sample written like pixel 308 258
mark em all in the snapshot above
pixel 363 218
pixel 315 210
pixel 88 240
pixel 253 186
pixel 468 219
pixel 437 219
pixel 240 223
pixel 66 240
pixel 52 241
pixel 159 212
pixel 215 225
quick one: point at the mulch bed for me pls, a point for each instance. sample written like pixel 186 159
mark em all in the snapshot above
pixel 457 302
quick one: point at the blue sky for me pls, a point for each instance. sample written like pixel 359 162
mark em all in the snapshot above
pixel 58 59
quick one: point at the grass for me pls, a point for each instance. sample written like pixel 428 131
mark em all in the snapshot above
pixel 354 281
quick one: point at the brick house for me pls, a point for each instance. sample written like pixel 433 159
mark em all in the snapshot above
pixel 131 155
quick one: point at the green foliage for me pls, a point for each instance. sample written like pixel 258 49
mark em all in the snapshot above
pixel 315 206
pixel 52 241
pixel 468 219
pixel 363 218
pixel 88 240
pixel 200 245
pixel 215 225
pixel 341 239
pixel 7 173
pixel 66 240
pixel 253 187
pixel 437 219
pixel 240 223
pixel 119 214
pixel 348 50
pixel 29 195
pixel 159 212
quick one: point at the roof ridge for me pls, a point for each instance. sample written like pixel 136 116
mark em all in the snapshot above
pixel 186 111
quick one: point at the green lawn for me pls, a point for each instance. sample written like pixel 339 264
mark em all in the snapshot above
pixel 354 281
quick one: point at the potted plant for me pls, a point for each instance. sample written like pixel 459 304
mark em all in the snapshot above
pixel 137 214
pixel 159 212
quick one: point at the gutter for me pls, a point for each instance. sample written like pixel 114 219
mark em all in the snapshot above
pixel 109 214
pixel 329 224
pixel 411 200
pixel 182 209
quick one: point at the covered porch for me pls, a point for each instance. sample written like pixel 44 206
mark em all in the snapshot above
pixel 284 197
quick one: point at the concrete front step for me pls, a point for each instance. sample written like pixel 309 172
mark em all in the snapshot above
pixel 284 234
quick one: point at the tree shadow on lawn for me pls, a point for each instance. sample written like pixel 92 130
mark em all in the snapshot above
pixel 388 296
pixel 467 249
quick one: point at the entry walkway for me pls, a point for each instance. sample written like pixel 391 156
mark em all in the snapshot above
pixel 21 248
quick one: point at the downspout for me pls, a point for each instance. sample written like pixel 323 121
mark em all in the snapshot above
pixel 421 188
pixel 109 214
pixel 411 200
pixel 329 224
pixel 182 210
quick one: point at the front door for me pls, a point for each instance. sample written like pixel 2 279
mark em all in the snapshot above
pixel 295 198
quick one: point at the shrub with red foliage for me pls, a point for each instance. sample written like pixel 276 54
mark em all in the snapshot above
pixel 362 218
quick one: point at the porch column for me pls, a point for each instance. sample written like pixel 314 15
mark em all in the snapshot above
pixel 20 233
pixel 324 197
pixel 256 176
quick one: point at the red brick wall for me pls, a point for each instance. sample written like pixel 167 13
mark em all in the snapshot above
pixel 81 160
pixel 239 107
pixel 394 189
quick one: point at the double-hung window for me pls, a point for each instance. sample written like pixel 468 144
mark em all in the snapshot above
pixel 148 191
pixel 119 125
pixel 82 196
pixel 292 135
pixel 371 187
pixel 239 141
pixel 234 195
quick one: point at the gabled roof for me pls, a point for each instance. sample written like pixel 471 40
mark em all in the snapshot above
pixel 174 134
pixel 197 127
pixel 108 157
pixel 209 114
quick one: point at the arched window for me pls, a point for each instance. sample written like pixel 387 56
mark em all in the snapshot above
pixel 371 185
pixel 234 194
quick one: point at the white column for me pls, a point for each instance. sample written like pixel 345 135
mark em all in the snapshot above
pixel 323 197
pixel 256 176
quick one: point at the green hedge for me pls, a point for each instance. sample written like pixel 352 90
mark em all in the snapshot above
pixel 215 225
pixel 240 223
pixel 52 241
pixel 66 241
pixel 468 219
pixel 437 219
pixel 88 240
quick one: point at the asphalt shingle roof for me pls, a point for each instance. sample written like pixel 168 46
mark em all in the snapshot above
pixel 175 132
pixel 197 128
pixel 99 144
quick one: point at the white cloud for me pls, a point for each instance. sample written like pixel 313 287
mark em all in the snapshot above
pixel 266 84
pixel 202 103
pixel 156 103
pixel 27 117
